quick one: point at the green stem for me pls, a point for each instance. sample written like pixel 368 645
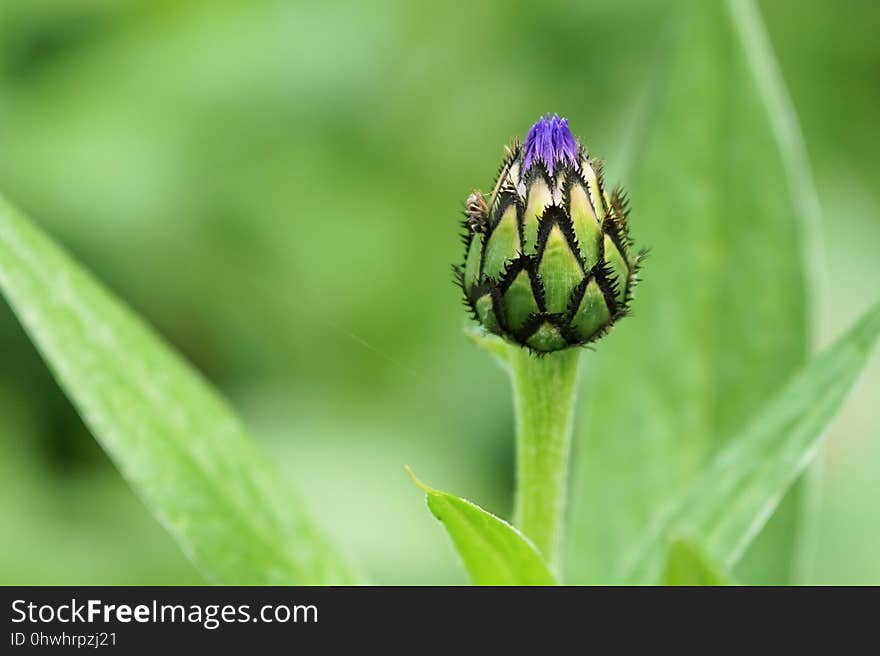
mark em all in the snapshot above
pixel 544 394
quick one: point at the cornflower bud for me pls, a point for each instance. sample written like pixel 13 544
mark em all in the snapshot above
pixel 548 260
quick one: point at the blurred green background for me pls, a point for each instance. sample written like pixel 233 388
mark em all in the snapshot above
pixel 276 185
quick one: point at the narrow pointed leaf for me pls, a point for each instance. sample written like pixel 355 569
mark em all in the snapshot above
pixel 721 315
pixel 687 564
pixel 731 501
pixel 171 436
pixel 493 551
pixel 492 344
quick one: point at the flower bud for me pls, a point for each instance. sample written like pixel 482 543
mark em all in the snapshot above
pixel 548 261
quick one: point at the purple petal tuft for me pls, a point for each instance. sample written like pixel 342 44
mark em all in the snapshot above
pixel 550 141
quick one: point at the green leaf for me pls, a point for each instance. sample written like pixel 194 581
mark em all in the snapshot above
pixel 493 344
pixel 730 502
pixel 170 435
pixel 721 315
pixel 493 551
pixel 687 564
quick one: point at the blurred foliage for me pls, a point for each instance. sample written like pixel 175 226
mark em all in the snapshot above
pixel 722 313
pixel 275 185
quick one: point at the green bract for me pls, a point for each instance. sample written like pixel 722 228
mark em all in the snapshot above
pixel 548 259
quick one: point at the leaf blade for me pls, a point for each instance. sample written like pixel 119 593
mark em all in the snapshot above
pixel 729 503
pixel 721 314
pixel 172 438
pixel 493 551
pixel 688 565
